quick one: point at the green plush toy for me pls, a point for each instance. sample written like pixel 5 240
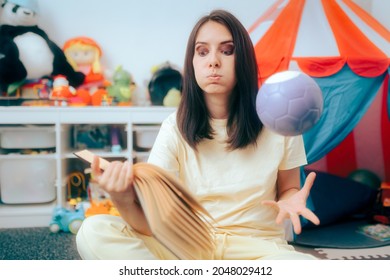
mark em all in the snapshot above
pixel 122 86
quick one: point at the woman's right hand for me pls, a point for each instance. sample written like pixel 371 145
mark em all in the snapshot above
pixel 116 180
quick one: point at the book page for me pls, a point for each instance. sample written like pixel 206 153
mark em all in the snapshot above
pixel 175 217
pixel 187 234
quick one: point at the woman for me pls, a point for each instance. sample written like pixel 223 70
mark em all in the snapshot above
pixel 246 176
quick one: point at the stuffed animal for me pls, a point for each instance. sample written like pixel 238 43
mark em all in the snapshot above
pixel 84 54
pixel 26 52
pixel 165 78
pixel 122 86
pixel 173 97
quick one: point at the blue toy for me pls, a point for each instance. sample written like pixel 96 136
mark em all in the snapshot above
pixel 66 220
pixel 289 103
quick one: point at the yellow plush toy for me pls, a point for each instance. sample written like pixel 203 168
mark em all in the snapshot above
pixel 172 99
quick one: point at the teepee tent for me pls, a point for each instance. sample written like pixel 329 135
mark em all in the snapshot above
pixel 347 52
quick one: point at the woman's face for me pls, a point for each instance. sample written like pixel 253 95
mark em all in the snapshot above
pixel 214 59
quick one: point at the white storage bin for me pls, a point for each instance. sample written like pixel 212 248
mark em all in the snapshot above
pixel 24 181
pixel 28 137
pixel 144 136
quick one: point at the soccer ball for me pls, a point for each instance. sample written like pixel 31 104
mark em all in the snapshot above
pixel 289 103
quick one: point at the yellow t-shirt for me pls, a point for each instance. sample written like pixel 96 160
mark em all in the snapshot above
pixel 231 184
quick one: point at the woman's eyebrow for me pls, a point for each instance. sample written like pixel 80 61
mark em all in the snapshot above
pixel 221 43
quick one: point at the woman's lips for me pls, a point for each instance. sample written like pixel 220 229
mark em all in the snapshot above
pixel 214 77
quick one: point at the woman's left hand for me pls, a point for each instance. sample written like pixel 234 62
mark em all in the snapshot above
pixel 295 205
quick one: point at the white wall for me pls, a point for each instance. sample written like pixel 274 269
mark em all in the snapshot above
pixel 379 8
pixel 140 34
pixel 137 34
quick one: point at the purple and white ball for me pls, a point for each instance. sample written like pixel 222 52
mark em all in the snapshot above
pixel 289 103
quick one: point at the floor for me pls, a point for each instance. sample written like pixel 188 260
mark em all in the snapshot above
pixel 375 253
pixel 37 244
pixel 41 244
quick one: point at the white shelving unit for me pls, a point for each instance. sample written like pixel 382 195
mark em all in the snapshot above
pixel 62 119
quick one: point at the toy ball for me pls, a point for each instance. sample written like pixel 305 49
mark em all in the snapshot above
pixel 289 103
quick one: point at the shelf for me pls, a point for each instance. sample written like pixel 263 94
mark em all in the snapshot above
pixel 130 120
pixel 101 153
pixel 25 215
pixel 27 157
pixel 75 115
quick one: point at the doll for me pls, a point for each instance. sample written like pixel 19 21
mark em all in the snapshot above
pixel 84 55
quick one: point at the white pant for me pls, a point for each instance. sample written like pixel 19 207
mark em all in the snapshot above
pixel 109 237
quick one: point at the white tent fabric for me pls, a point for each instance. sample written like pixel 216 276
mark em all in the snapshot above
pixel 315 36
pixel 316 39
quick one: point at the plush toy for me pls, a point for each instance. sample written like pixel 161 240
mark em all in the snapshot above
pixel 164 79
pixel 173 97
pixel 26 52
pixel 84 54
pixel 62 91
pixel 122 86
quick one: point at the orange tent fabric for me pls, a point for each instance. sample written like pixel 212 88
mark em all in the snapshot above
pixel 274 50
pixel 363 57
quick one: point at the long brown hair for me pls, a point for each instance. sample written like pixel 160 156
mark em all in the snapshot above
pixel 243 125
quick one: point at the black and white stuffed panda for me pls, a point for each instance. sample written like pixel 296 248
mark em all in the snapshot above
pixel 26 52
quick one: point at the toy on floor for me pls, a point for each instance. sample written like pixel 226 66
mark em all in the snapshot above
pixel 289 103
pixel 100 202
pixel 70 218
pixel 101 207
pixel 27 52
pixel 67 220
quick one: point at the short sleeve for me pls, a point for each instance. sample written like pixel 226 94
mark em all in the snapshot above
pixel 295 154
pixel 165 148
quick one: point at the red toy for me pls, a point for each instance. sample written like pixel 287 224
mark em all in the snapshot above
pixel 61 92
pixel 382 208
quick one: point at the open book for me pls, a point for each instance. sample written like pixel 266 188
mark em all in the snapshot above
pixel 174 216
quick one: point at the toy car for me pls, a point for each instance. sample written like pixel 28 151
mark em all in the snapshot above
pixel 66 220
